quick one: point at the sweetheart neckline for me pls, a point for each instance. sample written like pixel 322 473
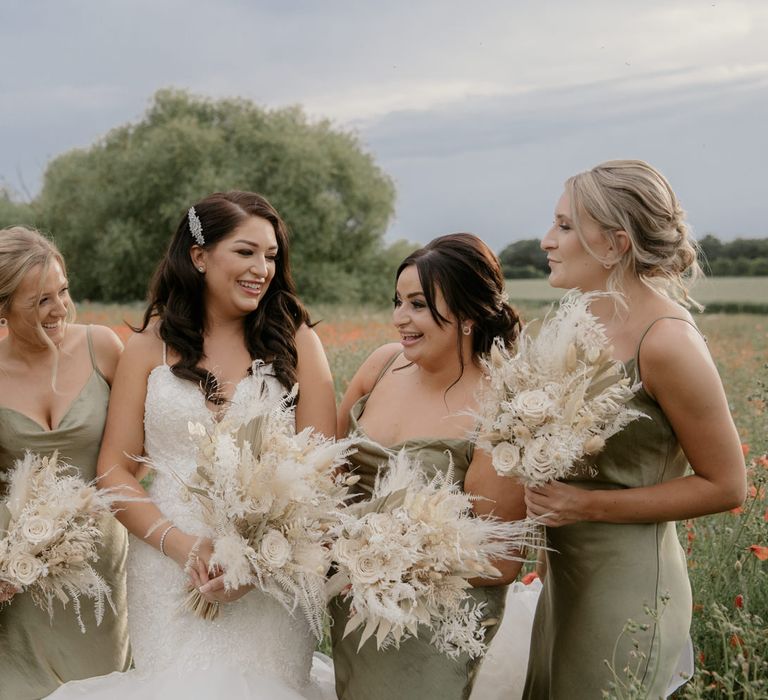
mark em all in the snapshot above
pixel 215 417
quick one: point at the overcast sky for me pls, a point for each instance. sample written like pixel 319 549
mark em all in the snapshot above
pixel 478 111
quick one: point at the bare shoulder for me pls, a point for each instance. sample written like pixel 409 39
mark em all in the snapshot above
pixel 107 348
pixel 671 337
pixel 307 338
pixel 674 354
pixel 311 362
pixel 143 350
pixel 375 363
pixel 105 340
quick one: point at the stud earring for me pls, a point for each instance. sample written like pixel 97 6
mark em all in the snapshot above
pixel 201 269
pixel 466 330
pixel 3 322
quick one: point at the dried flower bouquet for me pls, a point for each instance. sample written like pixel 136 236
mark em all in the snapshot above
pixel 51 534
pixel 405 559
pixel 556 399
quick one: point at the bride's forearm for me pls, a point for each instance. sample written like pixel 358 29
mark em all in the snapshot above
pixel 142 518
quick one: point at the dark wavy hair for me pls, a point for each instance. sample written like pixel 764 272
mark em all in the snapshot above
pixel 176 294
pixel 469 275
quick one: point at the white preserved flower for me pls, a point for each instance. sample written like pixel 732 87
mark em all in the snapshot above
pixel 345 549
pixel 38 530
pixel 24 568
pixel 533 406
pixel 275 550
pixel 365 568
pixel 537 459
pixel 505 457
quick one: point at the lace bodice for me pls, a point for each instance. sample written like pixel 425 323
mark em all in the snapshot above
pixel 170 405
pixel 256 630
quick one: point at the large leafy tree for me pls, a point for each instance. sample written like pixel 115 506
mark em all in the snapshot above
pixel 113 207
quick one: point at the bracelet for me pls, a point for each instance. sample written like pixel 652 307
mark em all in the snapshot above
pixel 162 539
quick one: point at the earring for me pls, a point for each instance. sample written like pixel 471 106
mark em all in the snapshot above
pixel 466 330
pixel 201 269
pixel 607 266
pixel 3 322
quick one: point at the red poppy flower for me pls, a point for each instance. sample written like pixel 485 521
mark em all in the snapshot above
pixel 739 601
pixel 760 552
pixel 744 449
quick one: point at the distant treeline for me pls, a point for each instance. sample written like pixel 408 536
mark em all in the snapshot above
pixel 742 257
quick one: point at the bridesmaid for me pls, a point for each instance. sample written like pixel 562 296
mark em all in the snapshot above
pixel 614 547
pixel 414 395
pixel 54 382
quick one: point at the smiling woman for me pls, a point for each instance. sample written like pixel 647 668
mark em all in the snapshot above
pixel 416 396
pixel 223 326
pixel 55 380
pixel 613 551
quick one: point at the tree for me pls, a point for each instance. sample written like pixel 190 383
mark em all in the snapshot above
pixel 114 206
pixel 523 259
pixel 740 257
pixel 14 213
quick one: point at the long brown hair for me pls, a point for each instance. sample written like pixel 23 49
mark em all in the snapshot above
pixel 176 294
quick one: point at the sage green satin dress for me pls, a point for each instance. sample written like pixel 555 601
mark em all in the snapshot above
pixel 415 671
pixel 600 575
pixel 37 654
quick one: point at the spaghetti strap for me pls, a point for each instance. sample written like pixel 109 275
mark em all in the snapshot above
pixel 651 325
pixel 92 352
pixel 165 353
pixel 384 369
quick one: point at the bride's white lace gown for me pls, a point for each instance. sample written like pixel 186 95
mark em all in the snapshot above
pixel 254 648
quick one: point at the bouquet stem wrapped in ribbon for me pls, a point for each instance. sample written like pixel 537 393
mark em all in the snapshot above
pixel 50 534
pixel 405 559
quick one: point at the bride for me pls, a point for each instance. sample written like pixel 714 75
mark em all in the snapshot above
pixel 222 298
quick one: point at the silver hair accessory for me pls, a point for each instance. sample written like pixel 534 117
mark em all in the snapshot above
pixel 195 226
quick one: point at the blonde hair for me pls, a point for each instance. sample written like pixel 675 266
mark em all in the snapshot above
pixel 632 196
pixel 21 250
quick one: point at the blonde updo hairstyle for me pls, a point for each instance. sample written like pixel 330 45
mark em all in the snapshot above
pixel 632 196
pixel 21 250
